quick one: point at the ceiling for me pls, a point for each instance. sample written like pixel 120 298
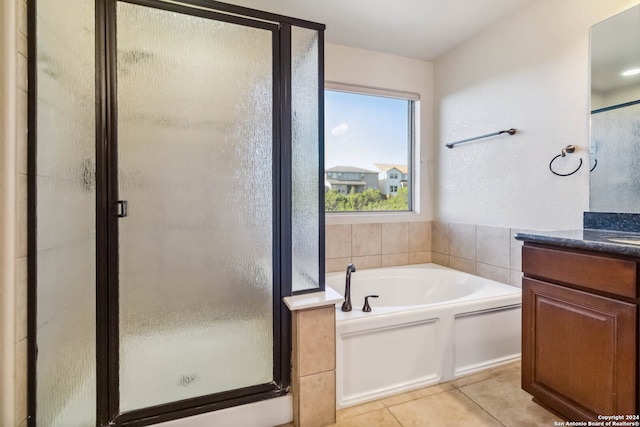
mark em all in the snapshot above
pixel 421 29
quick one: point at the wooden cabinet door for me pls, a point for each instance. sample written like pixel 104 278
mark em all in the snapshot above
pixel 578 351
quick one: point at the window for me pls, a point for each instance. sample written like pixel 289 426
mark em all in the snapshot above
pixel 369 141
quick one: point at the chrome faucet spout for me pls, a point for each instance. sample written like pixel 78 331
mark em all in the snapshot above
pixel 346 305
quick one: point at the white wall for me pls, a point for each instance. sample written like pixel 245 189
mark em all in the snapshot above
pixel 363 67
pixel 529 71
pixel 614 97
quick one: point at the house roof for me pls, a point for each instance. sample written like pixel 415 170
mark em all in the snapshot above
pixel 349 169
pixel 386 167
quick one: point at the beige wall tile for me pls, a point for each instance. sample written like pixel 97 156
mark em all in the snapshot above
pixel 440 238
pixel 493 245
pixel 364 262
pixel 315 336
pixel 295 351
pixel 392 260
pixel 22 16
pixel 395 237
pixel 295 396
pixel 366 239
pixel 338 241
pixel 21 217
pixel 419 236
pixel 21 381
pixel 22 73
pixel 440 259
pixel 516 278
pixel 21 299
pixel 466 265
pixel 462 241
pixel 22 44
pixel 492 272
pixel 334 265
pixel 21 132
pixel 420 257
pixel 317 400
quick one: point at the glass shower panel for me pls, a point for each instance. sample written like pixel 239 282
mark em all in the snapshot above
pixel 65 214
pixel 195 165
pixel 614 145
pixel 305 159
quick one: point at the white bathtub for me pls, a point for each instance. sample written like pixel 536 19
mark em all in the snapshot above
pixel 430 324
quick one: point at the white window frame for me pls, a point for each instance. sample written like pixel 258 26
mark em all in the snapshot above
pixel 414 168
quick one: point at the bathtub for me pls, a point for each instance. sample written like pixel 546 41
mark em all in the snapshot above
pixel 430 324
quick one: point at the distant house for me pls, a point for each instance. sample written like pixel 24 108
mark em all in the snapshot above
pixel 344 178
pixel 392 178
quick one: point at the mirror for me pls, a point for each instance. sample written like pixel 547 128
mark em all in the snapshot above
pixel 614 184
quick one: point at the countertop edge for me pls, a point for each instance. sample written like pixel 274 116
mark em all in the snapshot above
pixel 313 300
pixel 555 238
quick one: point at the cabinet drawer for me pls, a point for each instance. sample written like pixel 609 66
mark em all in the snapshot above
pixel 611 275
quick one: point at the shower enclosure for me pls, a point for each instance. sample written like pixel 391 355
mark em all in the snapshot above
pixel 175 182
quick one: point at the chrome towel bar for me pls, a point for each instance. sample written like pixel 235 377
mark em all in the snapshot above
pixel 509 131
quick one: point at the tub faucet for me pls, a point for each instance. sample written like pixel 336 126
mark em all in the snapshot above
pixel 346 305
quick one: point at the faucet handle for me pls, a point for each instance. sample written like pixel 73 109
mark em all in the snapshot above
pixel 367 307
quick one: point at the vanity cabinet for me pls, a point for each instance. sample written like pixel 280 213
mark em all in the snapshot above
pixel 580 331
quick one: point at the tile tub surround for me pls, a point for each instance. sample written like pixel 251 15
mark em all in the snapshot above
pixel 377 245
pixel 486 251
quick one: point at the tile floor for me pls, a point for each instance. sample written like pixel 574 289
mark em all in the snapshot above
pixel 490 398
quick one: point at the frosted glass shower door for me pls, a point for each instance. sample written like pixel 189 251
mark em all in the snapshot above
pixel 195 165
pixel 65 375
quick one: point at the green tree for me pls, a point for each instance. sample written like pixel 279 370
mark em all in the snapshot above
pixel 334 201
pixel 399 202
pixel 368 200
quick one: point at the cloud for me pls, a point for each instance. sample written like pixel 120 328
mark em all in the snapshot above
pixel 341 129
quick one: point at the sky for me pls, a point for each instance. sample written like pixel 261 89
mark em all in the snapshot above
pixel 361 130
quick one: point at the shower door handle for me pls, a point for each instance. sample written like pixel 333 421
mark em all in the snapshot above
pixel 123 208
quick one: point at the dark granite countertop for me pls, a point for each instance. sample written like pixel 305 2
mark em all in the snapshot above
pixel 605 241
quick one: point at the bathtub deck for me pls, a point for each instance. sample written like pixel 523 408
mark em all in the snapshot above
pixel 489 398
